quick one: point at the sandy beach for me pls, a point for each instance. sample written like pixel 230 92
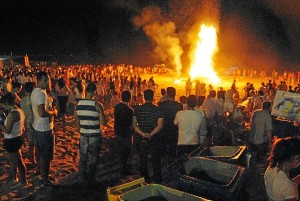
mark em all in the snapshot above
pixel 64 169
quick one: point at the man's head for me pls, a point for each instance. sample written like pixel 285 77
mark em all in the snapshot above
pixel 8 99
pixel 251 92
pixel 200 100
pixel 72 80
pixel 183 99
pixel 192 101
pixel 260 92
pixel 29 87
pixel 148 95
pixel 212 94
pixel 43 80
pixel 126 96
pixel 91 88
pixel 16 87
pixel 266 105
pixel 171 92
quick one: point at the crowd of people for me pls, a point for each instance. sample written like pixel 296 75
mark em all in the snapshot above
pixel 33 97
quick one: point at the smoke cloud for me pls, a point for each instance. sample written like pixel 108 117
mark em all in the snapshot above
pixel 163 33
pixel 251 34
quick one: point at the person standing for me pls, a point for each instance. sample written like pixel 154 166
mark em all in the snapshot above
pixel 62 97
pixel 258 101
pixel 43 126
pixel 212 107
pixel 26 107
pixel 13 127
pixel 188 87
pixel 123 115
pixel 16 89
pixel 72 97
pixel 148 122
pixel 79 90
pixel 169 109
pixel 89 113
pixel 164 95
pixel 191 128
pixel 261 133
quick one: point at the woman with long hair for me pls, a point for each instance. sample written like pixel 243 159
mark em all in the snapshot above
pixel 285 155
pixel 79 91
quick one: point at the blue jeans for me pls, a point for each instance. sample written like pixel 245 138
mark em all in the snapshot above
pixel 89 149
pixel 154 150
pixel 44 151
pixel 123 146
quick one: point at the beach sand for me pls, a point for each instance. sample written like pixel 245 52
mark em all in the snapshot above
pixel 64 170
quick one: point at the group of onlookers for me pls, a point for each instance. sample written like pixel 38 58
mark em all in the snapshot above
pixel 167 129
pixel 37 112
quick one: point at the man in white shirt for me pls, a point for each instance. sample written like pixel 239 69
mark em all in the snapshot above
pixel 211 105
pixel 191 127
pixel 43 125
pixel 261 133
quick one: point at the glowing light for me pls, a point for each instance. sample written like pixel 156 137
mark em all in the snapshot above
pixel 177 81
pixel 202 61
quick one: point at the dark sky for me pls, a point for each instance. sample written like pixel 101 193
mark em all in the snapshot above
pixel 252 33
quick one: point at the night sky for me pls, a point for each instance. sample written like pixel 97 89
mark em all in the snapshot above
pixel 252 33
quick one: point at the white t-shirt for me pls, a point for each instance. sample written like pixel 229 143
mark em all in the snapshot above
pixel 211 105
pixel 191 124
pixel 18 127
pixel 278 186
pixel 39 97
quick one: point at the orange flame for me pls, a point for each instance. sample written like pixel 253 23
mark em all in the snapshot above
pixel 202 61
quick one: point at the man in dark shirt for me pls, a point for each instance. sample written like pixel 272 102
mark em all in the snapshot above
pixel 123 129
pixel 169 109
pixel 148 121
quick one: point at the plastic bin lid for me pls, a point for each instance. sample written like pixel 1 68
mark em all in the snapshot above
pixel 151 190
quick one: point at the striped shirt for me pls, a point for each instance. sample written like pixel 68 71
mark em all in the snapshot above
pixel 88 117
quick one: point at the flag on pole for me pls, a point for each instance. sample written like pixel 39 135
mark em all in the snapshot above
pixel 26 59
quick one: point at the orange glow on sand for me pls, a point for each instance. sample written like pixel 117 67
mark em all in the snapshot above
pixel 202 61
